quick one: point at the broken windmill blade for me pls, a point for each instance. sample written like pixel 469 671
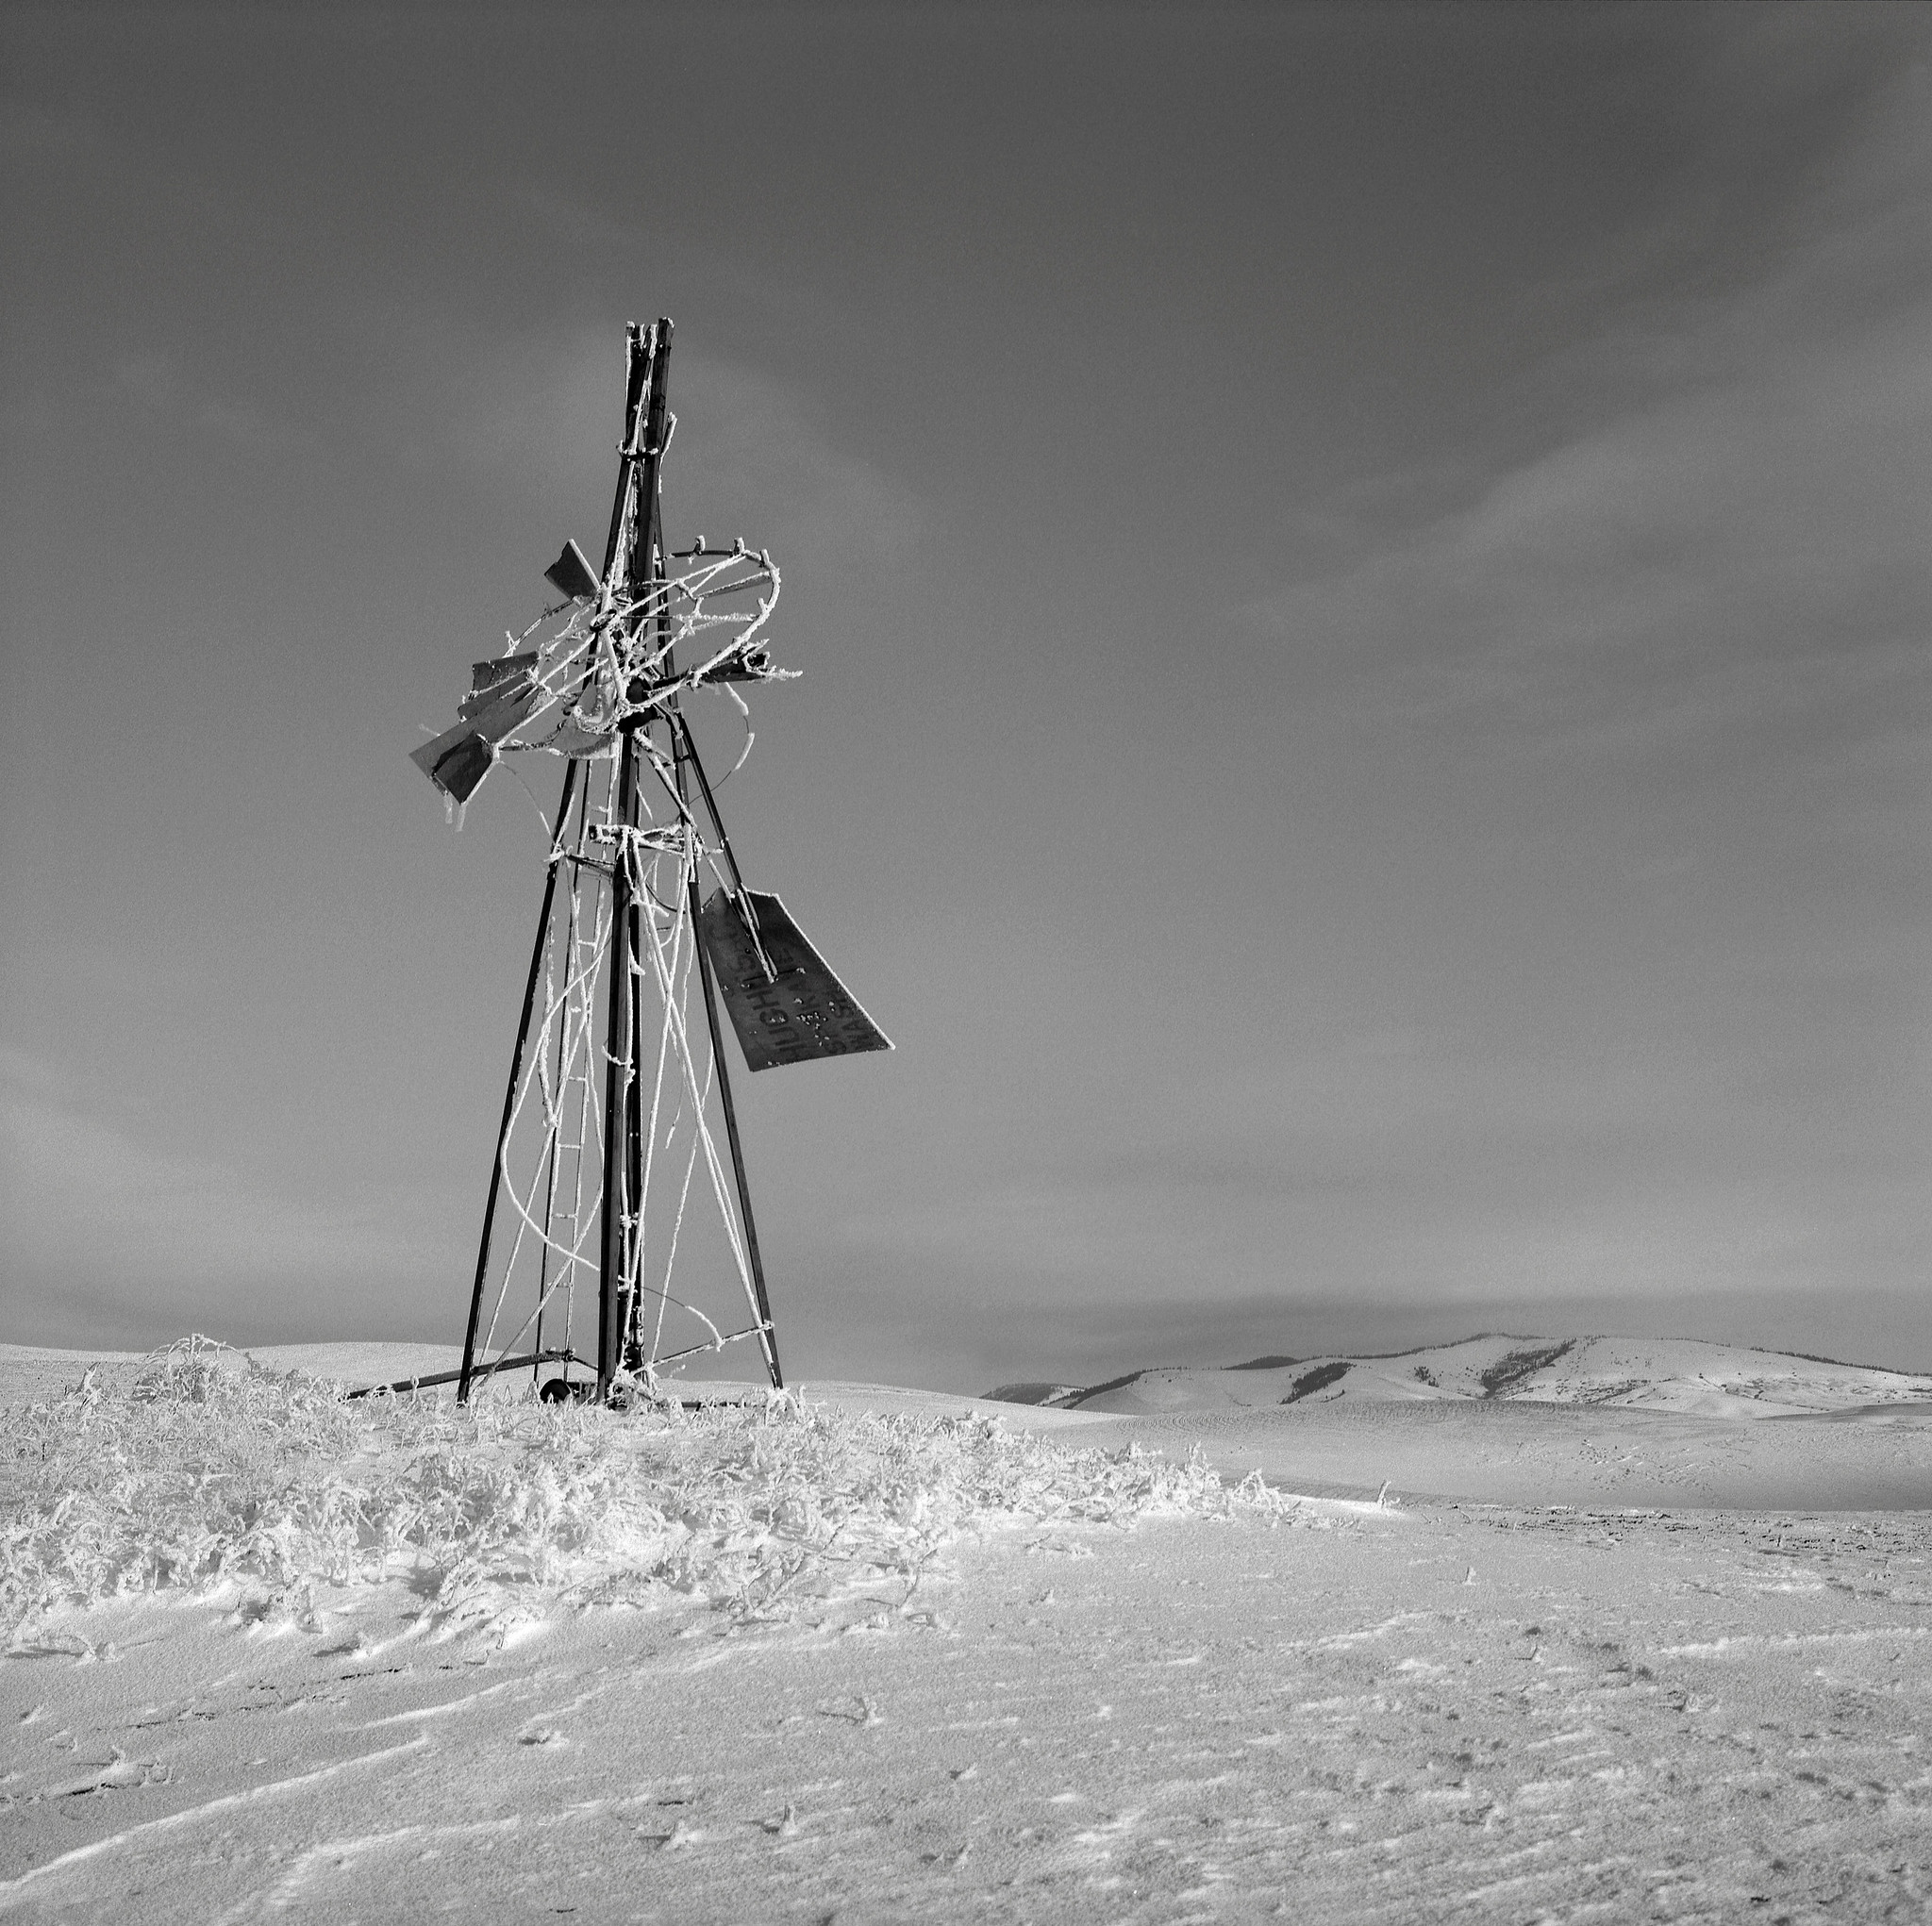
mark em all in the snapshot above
pixel 795 1010
pixel 571 575
pixel 618 1231
pixel 501 695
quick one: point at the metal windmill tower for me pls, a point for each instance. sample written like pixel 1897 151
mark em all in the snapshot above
pixel 609 1147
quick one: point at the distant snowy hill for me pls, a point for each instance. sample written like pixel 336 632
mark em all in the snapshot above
pixel 1661 1374
pixel 1058 1395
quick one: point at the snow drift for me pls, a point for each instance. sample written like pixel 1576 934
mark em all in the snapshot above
pixel 209 1469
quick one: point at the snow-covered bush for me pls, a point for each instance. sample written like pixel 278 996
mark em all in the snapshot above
pixel 209 1469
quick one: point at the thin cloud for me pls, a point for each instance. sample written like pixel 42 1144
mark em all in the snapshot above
pixel 1738 536
pixel 87 1198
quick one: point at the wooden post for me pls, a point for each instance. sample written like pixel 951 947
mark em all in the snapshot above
pixel 620 1083
pixel 637 372
pixel 622 1148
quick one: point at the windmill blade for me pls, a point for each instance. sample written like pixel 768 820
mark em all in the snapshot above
pixel 571 574
pixel 459 759
pixel 803 1011
pixel 496 678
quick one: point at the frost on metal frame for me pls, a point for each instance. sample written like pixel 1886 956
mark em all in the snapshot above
pixel 606 1132
pixel 602 658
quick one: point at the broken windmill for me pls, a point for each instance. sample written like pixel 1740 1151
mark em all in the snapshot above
pixel 609 1142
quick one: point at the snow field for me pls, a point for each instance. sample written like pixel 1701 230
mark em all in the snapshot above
pixel 1488 1714
pixel 868 1657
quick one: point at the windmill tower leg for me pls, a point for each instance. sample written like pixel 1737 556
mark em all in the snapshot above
pixel 768 1337
pixel 509 1095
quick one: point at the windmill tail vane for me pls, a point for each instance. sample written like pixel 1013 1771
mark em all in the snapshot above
pixel 618 1236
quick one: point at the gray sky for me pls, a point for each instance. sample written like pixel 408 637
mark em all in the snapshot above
pixel 1362 577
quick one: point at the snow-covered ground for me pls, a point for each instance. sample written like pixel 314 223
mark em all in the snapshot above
pixel 1518 1699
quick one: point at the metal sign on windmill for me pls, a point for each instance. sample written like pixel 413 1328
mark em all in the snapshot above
pixel 619 1130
